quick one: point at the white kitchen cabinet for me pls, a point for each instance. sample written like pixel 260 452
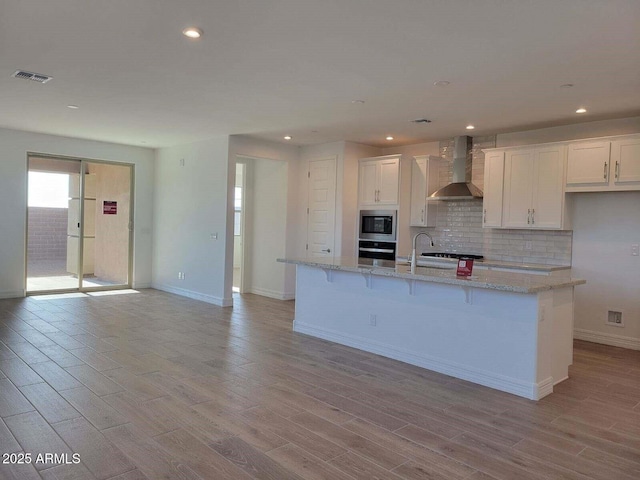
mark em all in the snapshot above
pixel 604 165
pixel 493 189
pixel 424 181
pixel 533 188
pixel 625 161
pixel 379 179
pixel 588 163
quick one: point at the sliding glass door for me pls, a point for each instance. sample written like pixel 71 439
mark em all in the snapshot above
pixel 79 225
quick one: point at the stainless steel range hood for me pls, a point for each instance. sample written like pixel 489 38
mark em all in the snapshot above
pixel 461 188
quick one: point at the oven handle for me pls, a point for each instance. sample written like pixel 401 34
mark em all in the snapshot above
pixel 377 250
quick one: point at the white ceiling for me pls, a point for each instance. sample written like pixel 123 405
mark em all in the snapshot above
pixel 274 67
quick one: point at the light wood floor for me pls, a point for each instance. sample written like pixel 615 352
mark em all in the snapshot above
pixel 156 386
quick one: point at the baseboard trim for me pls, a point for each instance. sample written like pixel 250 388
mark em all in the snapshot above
pixel 141 286
pixel 265 292
pixel 532 391
pixel 606 339
pixel 221 302
pixel 12 294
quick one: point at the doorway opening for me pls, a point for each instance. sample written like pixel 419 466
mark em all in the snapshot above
pixel 238 227
pixel 79 219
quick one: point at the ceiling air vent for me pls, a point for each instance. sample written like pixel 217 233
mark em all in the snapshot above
pixel 421 120
pixel 36 77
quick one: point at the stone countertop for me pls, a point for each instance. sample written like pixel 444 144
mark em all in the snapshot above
pixel 486 263
pixel 482 278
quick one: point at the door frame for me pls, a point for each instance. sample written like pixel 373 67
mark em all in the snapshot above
pixel 243 219
pixel 83 162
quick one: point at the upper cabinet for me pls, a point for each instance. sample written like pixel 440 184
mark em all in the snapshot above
pixel 379 179
pixel 424 181
pixel 606 165
pixel 533 188
pixel 493 189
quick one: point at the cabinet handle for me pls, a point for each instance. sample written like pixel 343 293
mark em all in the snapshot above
pixel 422 215
pixel 484 218
pixel 605 170
pixel 617 170
pixel 529 216
pixel 533 216
pixel 376 196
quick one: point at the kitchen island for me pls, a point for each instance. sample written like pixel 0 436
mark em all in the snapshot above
pixel 508 331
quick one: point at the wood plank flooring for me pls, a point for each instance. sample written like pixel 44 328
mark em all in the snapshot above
pixel 155 386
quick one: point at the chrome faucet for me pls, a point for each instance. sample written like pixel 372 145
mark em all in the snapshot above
pixel 413 251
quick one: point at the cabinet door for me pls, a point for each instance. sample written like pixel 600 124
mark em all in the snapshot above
pixel 368 182
pixel 418 191
pixel 493 189
pixel 548 194
pixel 516 204
pixel 388 179
pixel 625 160
pixel 588 163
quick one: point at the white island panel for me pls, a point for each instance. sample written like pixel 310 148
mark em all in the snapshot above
pixel 515 342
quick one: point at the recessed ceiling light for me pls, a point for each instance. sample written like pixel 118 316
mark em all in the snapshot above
pixel 581 110
pixel 566 85
pixel 192 32
pixel 73 107
pixel 357 102
pixel 288 137
pixel 470 127
pixel 389 137
pixel 441 83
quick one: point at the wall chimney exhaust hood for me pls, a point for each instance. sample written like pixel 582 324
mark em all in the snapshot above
pixel 461 188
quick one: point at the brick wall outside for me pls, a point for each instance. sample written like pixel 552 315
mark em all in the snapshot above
pixel 47 234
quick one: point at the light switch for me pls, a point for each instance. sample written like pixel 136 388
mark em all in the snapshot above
pixel 214 236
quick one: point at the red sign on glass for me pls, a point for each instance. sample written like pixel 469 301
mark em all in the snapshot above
pixel 109 208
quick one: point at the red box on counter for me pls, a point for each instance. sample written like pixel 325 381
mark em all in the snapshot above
pixel 465 267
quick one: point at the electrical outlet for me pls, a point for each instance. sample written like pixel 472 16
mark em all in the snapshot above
pixel 373 320
pixel 214 236
pixel 635 249
pixel 179 275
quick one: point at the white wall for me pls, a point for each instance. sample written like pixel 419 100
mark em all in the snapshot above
pixel 404 214
pixel 192 203
pixel 13 195
pixel 275 195
pixel 348 185
pixel 603 128
pixel 605 226
pixel 266 231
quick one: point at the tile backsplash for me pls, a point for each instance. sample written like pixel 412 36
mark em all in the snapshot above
pixel 459 224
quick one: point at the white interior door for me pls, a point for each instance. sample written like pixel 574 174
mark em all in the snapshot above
pixel 322 208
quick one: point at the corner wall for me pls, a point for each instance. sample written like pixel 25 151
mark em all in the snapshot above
pixel 192 195
pixel 277 220
pixel 13 194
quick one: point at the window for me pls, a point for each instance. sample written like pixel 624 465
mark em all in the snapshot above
pixel 48 190
pixel 237 217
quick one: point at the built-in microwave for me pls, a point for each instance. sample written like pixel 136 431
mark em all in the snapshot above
pixel 378 225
